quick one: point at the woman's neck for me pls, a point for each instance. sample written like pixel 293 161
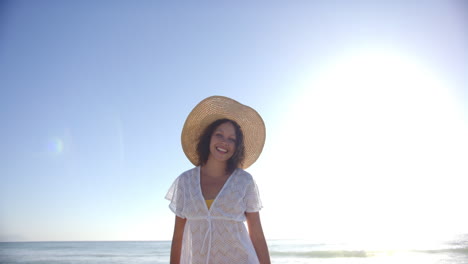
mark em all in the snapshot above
pixel 213 168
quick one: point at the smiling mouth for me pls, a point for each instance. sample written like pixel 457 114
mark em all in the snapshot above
pixel 221 150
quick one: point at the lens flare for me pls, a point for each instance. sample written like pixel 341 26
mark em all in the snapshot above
pixel 55 145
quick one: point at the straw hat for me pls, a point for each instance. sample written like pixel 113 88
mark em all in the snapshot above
pixel 218 107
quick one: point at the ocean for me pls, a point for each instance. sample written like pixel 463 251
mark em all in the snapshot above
pixel 282 251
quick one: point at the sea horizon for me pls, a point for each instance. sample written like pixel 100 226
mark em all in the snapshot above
pixel 281 251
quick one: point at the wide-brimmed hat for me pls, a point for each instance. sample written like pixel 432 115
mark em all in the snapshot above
pixel 218 107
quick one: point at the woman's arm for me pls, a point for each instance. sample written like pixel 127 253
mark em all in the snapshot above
pixel 176 246
pixel 257 237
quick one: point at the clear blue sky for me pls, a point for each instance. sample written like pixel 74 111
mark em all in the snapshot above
pixel 355 94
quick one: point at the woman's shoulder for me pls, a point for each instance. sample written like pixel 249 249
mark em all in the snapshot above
pixel 244 174
pixel 190 171
pixel 188 174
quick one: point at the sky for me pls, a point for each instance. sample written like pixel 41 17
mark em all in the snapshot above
pixel 365 105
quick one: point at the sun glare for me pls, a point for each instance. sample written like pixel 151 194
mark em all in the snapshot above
pixel 378 149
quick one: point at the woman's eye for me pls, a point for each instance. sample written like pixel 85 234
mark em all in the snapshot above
pixel 232 140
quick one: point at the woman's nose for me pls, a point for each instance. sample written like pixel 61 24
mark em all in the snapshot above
pixel 225 141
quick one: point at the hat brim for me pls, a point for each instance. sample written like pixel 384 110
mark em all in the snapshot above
pixel 218 107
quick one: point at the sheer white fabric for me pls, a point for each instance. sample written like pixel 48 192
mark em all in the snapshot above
pixel 217 235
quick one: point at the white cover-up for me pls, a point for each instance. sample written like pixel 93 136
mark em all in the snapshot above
pixel 217 235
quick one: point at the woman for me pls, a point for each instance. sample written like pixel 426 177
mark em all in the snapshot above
pixel 211 201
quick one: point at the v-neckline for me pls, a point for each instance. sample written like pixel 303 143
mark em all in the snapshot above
pixel 220 191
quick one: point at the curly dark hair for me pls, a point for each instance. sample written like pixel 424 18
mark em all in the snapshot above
pixel 203 146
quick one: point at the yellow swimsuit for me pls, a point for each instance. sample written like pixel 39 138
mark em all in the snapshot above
pixel 208 203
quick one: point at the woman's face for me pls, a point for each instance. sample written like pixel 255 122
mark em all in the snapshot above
pixel 223 142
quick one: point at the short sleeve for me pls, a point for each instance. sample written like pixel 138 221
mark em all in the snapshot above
pixel 176 197
pixel 252 198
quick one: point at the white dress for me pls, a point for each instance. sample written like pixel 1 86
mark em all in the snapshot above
pixel 217 235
